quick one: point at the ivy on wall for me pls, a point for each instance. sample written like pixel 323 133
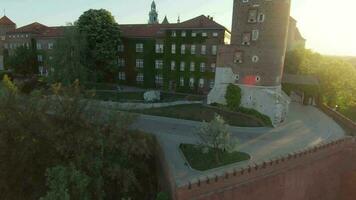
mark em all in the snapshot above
pixel 170 78
pixel 309 91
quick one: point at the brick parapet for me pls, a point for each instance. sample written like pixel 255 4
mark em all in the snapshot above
pixel 235 178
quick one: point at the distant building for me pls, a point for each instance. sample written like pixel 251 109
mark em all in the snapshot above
pixel 40 36
pixel 255 59
pixel 6 25
pixel 295 38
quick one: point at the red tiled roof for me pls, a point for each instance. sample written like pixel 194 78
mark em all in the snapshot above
pixel 201 22
pixel 152 30
pixel 6 21
pixel 40 29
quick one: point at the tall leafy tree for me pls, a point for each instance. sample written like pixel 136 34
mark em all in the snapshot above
pixel 103 36
pixel 69 58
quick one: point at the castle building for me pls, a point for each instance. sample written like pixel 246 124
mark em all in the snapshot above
pixel 295 38
pixel 6 25
pixel 153 15
pixel 35 35
pixel 176 57
pixel 255 59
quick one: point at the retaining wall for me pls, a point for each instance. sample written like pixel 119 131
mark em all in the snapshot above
pixel 341 119
pixel 325 172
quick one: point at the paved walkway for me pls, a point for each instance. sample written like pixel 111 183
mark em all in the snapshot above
pixel 306 126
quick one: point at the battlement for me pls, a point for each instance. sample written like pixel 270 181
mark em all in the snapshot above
pixel 259 171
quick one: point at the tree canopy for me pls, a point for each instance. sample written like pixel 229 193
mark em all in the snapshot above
pixel 337 77
pixel 69 62
pixel 60 148
pixel 103 37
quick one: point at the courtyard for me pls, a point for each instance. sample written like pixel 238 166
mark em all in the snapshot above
pixel 306 126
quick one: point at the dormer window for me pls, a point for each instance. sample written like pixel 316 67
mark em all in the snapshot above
pixel 246 39
pixel 238 57
pixel 252 16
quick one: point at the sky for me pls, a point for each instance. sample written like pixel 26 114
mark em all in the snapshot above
pixel 328 25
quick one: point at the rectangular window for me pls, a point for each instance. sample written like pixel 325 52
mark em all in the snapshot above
pixel 122 76
pixel 121 62
pixel 192 49
pixel 191 82
pixel 201 83
pixel 139 63
pixel 159 64
pixel 215 34
pixel 252 16
pixel 246 39
pixel 50 45
pixel 159 79
pixel 255 34
pixel 139 78
pixel 173 49
pixel 204 34
pixel 2 37
pixel 214 49
pixel 184 33
pixel 139 48
pixel 39 46
pixel 182 66
pixel 261 17
pixel 39 58
pixel 203 49
pixel 182 49
pixel 173 65
pixel 174 34
pixel 159 48
pixel 202 67
pixel 213 67
pixel 120 48
pixel 181 81
pixel 192 66
pixel 194 34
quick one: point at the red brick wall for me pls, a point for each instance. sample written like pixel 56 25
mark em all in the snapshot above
pixel 326 172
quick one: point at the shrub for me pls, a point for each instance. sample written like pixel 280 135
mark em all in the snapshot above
pixel 233 97
pixel 162 196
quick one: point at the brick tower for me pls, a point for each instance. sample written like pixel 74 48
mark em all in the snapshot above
pixel 254 61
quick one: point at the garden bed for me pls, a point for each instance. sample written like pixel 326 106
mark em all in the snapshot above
pixel 205 161
pixel 199 112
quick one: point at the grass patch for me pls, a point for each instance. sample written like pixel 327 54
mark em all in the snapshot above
pixel 349 113
pixel 205 161
pixel 138 96
pixel 198 112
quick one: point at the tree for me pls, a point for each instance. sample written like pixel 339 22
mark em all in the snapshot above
pixel 233 97
pixel 23 60
pixel 103 37
pixel 79 151
pixel 216 135
pixel 69 61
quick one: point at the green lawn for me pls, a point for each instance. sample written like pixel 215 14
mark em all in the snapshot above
pixel 138 96
pixel 201 161
pixel 199 112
